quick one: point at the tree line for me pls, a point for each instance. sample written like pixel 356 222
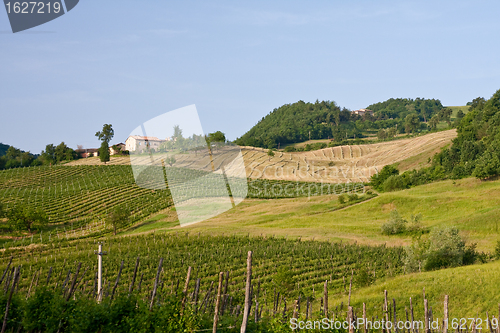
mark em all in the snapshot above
pixel 301 121
pixel 475 152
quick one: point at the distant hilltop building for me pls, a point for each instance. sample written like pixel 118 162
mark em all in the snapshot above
pixel 362 112
pixel 139 142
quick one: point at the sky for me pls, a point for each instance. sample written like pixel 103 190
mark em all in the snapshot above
pixel 124 62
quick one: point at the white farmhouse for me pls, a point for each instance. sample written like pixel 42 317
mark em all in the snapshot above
pixel 135 142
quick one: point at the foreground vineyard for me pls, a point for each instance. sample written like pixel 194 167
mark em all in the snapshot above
pixel 283 270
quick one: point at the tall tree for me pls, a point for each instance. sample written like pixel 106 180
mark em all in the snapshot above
pixel 105 136
pixel 411 123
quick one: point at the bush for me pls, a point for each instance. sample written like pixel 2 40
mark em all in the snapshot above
pixel 363 278
pixel 415 225
pixel 444 248
pixel 342 198
pixel 394 183
pixel 378 179
pixel 395 225
pixel 290 149
pixel 353 197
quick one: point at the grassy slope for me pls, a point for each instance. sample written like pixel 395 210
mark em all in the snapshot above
pixel 471 290
pixel 471 205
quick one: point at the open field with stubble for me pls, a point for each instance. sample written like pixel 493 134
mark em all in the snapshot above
pixel 342 164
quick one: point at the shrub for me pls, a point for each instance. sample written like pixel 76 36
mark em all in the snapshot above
pixel 394 183
pixel 444 248
pixel 395 225
pixel 363 278
pixel 415 224
pixel 342 198
pixel 497 250
pixel 353 197
pixel 378 179
pixel 290 149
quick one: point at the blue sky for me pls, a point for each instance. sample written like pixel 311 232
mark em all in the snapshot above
pixel 125 62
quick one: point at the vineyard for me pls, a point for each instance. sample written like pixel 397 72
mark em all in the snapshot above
pixel 282 270
pixel 78 198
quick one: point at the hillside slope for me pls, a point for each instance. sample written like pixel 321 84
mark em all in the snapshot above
pixel 345 163
pixel 469 204
pixel 335 165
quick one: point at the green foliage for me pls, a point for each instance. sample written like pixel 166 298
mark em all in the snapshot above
pixel 170 160
pixel 216 137
pixel 353 197
pixel 476 150
pixel 445 115
pixel 444 248
pixel 15 158
pixel 52 154
pixel 302 121
pixel 497 250
pixel 395 225
pixel 104 154
pixel 393 183
pixel 26 218
pixel 106 134
pixel 378 179
pixel 381 134
pixel 270 153
pixel 283 281
pixel 411 123
pixel 363 277
pixel 342 198
pixel 401 107
pixel 118 217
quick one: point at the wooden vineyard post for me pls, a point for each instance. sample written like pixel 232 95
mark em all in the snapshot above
pixel 217 303
pixel 350 319
pixel 99 253
pixel 131 288
pixel 196 291
pixel 72 288
pixel 445 322
pixel 364 318
pixel 386 310
pixel 426 317
pixel 186 286
pixel 117 281
pixel 325 302
pixel 225 297
pixel 412 318
pixel 247 293
pixel 350 288
pixel 156 284
pixel 14 280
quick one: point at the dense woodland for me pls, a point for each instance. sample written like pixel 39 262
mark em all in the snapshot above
pixel 300 121
pixel 475 151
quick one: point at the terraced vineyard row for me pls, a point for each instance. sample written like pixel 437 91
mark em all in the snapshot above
pixel 291 267
pixel 81 196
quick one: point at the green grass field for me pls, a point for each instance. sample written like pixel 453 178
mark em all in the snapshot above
pixel 469 204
